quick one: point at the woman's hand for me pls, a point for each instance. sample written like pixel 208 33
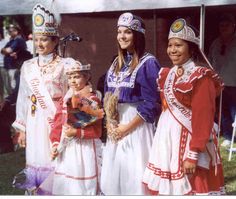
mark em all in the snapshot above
pixel 70 131
pixel 14 55
pixel 21 139
pixel 54 152
pixel 121 131
pixel 189 167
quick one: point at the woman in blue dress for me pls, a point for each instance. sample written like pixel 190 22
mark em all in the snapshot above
pixel 131 106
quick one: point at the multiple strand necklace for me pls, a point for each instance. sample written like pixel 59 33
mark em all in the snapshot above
pixel 48 64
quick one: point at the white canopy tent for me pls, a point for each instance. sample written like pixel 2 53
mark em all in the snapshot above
pixel 83 17
pixel 16 7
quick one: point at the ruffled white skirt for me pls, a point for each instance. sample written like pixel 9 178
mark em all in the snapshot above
pixel 124 162
pixel 77 170
pixel 163 173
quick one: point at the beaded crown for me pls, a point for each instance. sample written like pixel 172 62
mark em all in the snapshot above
pixel 44 21
pixel 72 65
pixel 179 29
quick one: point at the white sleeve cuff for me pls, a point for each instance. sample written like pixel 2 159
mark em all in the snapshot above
pixel 19 126
pixel 192 155
pixel 55 144
pixel 141 116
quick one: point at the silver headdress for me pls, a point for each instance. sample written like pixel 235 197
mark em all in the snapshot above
pixel 131 21
pixel 179 29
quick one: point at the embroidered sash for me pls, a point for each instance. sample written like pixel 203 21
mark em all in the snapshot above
pixel 179 111
pixel 184 115
pixel 38 88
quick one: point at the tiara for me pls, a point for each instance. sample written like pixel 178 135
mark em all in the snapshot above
pixel 72 65
pixel 179 29
pixel 129 20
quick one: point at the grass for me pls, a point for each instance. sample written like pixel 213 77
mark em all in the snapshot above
pixel 229 170
pixel 12 163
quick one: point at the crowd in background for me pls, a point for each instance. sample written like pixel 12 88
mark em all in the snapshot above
pixel 13 53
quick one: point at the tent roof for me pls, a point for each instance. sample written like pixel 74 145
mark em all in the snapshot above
pixel 15 7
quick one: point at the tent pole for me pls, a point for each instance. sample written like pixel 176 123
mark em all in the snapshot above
pixel 155 32
pixel 34 49
pixel 202 27
pixel 202 32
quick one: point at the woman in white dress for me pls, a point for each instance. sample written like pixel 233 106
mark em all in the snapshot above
pixel 43 85
pixel 131 108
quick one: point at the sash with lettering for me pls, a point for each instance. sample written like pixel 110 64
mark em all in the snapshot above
pixel 184 116
pixel 38 88
pixel 179 111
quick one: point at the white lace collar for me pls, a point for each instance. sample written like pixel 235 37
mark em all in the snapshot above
pixel 188 65
pixel 45 59
pixel 188 69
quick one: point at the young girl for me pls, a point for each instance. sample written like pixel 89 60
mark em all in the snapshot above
pixel 76 172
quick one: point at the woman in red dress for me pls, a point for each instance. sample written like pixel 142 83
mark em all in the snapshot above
pixel 185 158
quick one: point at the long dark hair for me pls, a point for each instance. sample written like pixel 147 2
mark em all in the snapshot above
pixel 195 51
pixel 139 49
pixel 54 39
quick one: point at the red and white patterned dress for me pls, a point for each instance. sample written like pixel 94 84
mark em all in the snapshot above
pixel 78 165
pixel 185 132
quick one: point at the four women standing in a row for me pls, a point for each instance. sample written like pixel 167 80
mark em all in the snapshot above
pixel 184 154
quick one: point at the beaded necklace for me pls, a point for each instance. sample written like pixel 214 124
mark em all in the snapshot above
pixel 46 67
